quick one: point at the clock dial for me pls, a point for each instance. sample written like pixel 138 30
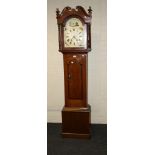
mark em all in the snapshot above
pixel 74 33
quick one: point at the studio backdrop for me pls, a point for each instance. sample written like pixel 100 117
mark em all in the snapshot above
pixel 97 62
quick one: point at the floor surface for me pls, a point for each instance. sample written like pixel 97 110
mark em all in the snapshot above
pixel 97 145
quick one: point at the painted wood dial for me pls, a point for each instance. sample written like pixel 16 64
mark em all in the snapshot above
pixel 74 33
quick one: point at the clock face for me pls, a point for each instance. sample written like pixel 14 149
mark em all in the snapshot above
pixel 74 33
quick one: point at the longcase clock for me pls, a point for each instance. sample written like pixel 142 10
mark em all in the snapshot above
pixel 74 29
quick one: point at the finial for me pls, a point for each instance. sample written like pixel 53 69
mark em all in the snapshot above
pixel 57 12
pixel 90 10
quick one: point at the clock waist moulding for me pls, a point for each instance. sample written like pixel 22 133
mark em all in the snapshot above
pixel 74 33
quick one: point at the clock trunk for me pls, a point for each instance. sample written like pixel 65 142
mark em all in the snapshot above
pixel 75 73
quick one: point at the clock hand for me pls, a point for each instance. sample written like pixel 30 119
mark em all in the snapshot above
pixel 72 38
pixel 75 38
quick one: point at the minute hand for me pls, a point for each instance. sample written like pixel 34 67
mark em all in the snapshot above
pixel 75 38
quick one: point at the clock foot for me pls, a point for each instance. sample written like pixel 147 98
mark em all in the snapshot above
pixel 75 135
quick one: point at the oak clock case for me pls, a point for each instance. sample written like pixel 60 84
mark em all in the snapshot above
pixel 74 32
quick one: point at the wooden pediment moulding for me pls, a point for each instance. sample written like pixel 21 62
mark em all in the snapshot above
pixel 78 11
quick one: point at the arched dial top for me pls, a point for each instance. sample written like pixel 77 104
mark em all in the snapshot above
pixel 74 33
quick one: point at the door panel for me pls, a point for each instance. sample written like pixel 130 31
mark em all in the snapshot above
pixel 74 80
pixel 75 71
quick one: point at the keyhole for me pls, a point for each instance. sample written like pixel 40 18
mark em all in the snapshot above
pixel 69 76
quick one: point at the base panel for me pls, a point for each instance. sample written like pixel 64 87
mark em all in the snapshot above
pixel 76 122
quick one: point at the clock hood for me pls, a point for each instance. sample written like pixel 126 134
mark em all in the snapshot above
pixel 79 11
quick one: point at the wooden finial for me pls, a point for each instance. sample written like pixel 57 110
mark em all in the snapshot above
pixel 57 12
pixel 90 10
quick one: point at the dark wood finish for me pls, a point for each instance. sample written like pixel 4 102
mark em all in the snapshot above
pixel 76 122
pixel 76 113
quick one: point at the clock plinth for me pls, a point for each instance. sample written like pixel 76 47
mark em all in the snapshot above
pixel 74 26
pixel 76 122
